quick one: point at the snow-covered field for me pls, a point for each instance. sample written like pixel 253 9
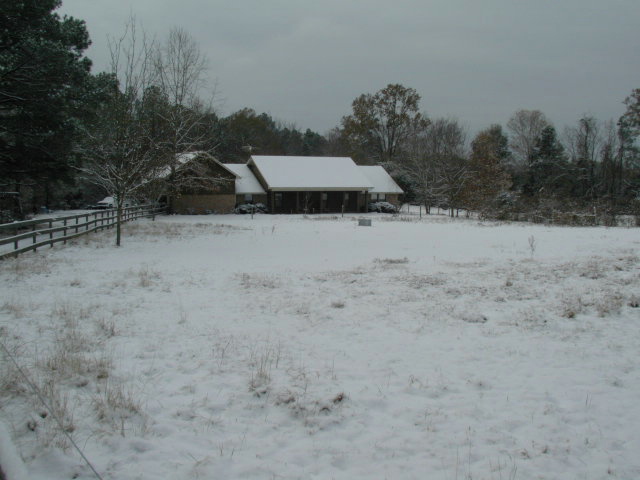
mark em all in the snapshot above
pixel 283 347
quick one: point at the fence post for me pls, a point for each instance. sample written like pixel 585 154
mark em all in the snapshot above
pixel 108 219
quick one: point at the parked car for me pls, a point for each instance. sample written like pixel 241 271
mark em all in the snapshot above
pixel 106 202
pixel 383 207
pixel 251 208
pixel 110 202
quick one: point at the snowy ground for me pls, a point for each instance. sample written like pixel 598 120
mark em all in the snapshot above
pixel 286 347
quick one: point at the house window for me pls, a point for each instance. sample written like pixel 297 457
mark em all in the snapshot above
pixel 382 197
pixel 278 200
pixel 324 196
pixel 248 197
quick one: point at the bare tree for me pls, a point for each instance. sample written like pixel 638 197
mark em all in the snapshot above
pixel 612 160
pixel 180 70
pixel 122 148
pixel 525 127
pixel 418 167
pixel 434 162
pixel 583 143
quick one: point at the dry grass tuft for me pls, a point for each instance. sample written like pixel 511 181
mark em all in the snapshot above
pixel 118 407
pixel 14 307
pixel 105 327
pixel 609 303
pixel 147 277
pixel 49 432
pixel 571 306
pixel 25 266
pixel 11 381
pixel 392 261
pixel 259 281
pixel 262 361
pixel 154 231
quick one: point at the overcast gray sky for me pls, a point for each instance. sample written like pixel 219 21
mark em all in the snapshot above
pixel 305 61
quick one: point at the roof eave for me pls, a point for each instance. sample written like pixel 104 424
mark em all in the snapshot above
pixel 319 189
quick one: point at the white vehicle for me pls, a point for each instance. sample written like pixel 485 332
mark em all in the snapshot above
pixel 110 202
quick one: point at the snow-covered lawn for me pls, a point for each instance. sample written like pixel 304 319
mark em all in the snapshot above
pixel 287 347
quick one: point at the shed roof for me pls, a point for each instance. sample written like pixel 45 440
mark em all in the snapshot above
pixel 380 179
pixel 246 182
pixel 290 173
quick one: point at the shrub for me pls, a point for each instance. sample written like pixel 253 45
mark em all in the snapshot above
pixel 244 208
pixel 382 207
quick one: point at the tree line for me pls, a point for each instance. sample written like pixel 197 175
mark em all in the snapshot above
pixel 527 168
pixel 68 136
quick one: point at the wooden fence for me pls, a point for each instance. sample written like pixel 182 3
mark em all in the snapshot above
pixel 48 231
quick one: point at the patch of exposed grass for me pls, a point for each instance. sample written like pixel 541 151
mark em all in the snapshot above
pixel 259 281
pixel 119 407
pixel 392 261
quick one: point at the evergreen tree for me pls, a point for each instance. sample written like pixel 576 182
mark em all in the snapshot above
pixel 487 176
pixel 313 144
pixel 245 132
pixel 43 80
pixel 548 173
pixel 631 118
pixel 628 133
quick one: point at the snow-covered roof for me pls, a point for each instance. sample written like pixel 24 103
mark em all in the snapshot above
pixel 186 157
pixel 380 179
pixel 282 173
pixel 246 182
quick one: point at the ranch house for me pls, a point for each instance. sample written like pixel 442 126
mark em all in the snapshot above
pixel 292 184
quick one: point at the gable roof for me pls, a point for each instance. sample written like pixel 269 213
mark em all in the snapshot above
pixel 380 179
pixel 290 173
pixel 184 158
pixel 246 182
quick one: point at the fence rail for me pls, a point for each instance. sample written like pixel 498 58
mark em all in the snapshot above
pixel 51 230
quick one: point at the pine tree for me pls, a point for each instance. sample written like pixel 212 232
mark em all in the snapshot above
pixel 43 80
pixel 548 172
pixel 487 176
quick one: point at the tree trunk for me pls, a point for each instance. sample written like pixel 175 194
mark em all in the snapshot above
pixel 18 212
pixel 118 221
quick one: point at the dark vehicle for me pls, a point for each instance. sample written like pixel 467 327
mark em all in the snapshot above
pixel 244 208
pixel 383 207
